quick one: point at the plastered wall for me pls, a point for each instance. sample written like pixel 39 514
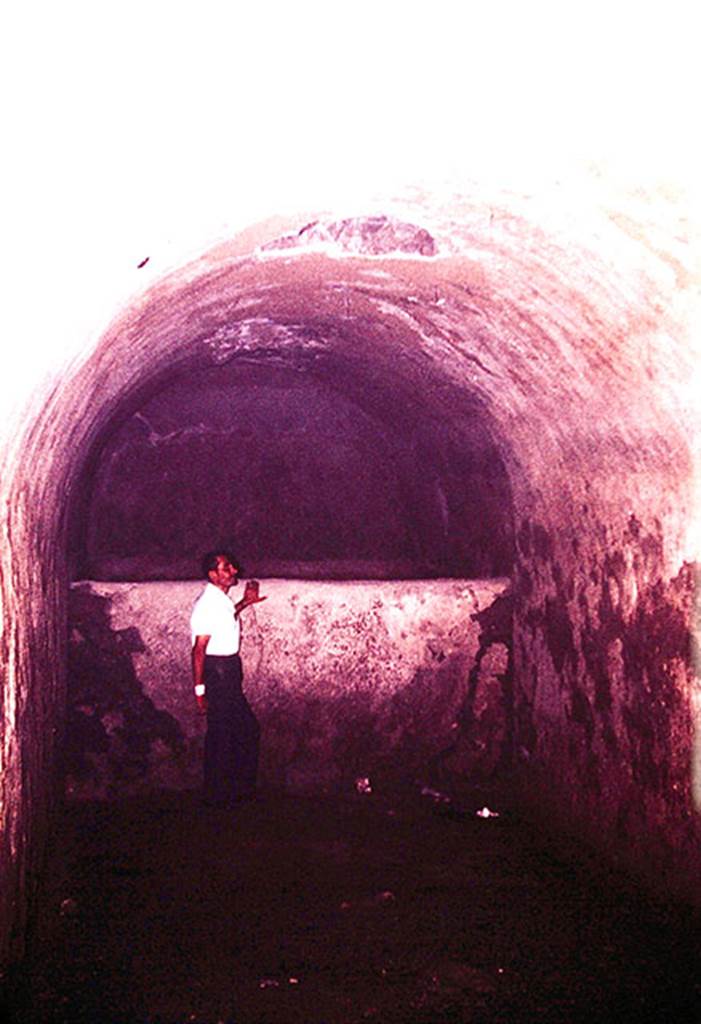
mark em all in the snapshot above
pixel 394 681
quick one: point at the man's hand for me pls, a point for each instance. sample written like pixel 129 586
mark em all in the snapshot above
pixel 201 703
pixel 250 596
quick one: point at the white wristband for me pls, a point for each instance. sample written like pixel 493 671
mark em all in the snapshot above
pixel 199 690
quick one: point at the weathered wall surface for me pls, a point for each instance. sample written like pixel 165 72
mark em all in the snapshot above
pixel 566 325
pixel 607 691
pixel 388 680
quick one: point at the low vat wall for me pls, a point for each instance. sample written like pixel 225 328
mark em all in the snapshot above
pixel 395 680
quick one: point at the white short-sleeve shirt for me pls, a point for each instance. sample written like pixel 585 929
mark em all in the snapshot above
pixel 213 615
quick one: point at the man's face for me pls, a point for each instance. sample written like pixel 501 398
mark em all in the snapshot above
pixel 224 576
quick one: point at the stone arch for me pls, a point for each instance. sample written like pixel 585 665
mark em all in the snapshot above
pixel 563 337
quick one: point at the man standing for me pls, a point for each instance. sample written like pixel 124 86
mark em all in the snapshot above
pixel 233 734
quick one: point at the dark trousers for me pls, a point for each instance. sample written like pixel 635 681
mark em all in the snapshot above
pixel 233 735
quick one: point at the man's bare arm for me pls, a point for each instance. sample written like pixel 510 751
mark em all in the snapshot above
pixel 199 650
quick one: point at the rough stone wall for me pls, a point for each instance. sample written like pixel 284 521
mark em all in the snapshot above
pixel 567 322
pixel 606 694
pixel 398 681
pixel 32 683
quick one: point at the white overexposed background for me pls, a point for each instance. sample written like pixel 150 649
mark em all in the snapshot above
pixel 146 129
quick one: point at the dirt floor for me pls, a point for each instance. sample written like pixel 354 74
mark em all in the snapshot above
pixel 394 908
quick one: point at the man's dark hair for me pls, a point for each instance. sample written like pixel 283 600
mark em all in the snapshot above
pixel 209 561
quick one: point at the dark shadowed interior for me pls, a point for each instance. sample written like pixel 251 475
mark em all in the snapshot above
pixel 307 467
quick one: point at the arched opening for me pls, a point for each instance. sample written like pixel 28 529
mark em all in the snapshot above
pixel 321 445
pixel 310 467
pixel 540 377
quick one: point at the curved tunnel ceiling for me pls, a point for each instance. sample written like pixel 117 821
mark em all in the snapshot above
pixel 311 441
pixel 570 340
pixel 493 336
